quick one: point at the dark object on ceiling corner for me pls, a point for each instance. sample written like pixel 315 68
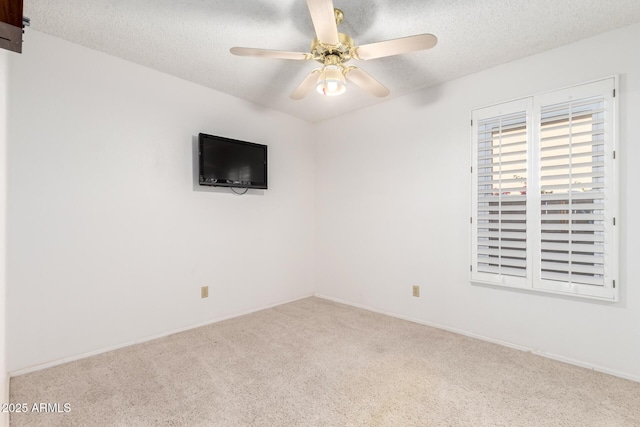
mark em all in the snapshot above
pixel 11 25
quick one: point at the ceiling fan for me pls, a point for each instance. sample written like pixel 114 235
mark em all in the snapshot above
pixel 333 49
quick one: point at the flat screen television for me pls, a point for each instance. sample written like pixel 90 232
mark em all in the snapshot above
pixel 226 162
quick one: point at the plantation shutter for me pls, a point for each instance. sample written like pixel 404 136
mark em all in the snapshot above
pixel 500 190
pixel 544 196
pixel 576 181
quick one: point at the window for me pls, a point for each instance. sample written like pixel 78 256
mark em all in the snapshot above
pixel 544 192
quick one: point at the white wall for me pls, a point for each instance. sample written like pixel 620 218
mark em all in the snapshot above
pixel 109 242
pixel 4 86
pixel 393 207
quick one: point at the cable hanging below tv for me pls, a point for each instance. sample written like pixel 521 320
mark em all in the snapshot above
pixel 226 162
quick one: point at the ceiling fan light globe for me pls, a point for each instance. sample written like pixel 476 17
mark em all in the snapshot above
pixel 331 81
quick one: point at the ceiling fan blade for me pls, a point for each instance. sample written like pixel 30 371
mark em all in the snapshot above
pixel 306 85
pixel 266 53
pixel 365 81
pixel 396 46
pixel 324 21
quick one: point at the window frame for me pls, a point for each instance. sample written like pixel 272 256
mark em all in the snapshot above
pixel 607 88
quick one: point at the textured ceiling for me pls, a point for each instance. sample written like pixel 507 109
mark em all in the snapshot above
pixel 190 39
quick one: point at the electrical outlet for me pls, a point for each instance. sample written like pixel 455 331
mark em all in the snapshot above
pixel 204 292
pixel 416 291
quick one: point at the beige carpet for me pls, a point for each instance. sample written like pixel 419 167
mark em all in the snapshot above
pixel 318 363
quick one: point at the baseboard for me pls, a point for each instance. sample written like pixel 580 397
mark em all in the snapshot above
pixel 68 359
pixel 552 356
pixel 489 339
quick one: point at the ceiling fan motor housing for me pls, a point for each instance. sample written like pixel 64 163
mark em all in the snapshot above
pixel 326 53
pixel 343 50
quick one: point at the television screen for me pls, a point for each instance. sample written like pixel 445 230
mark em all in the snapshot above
pixel 226 162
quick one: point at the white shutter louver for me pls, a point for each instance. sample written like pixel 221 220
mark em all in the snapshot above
pixel 572 191
pixel 501 195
